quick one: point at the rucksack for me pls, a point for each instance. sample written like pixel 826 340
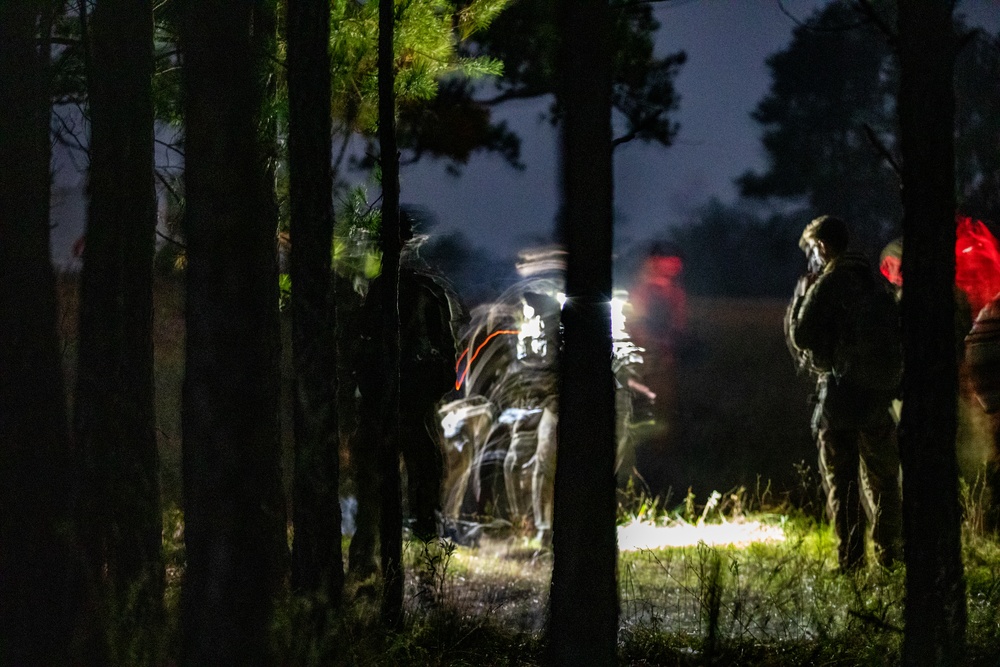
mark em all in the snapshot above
pixel 431 314
pixel 869 352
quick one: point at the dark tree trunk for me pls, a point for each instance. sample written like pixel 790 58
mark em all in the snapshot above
pixel 583 620
pixel 317 559
pixel 935 589
pixel 233 510
pixel 264 45
pixel 115 426
pixel 391 511
pixel 37 599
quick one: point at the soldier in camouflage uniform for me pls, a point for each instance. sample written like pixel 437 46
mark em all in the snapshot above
pixel 842 326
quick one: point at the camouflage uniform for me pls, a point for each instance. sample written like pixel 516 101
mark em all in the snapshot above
pixel 855 433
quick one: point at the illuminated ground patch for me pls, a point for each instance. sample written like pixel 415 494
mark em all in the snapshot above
pixel 643 535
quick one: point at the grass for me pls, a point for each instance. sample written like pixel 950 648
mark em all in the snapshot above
pixel 780 602
pixel 776 603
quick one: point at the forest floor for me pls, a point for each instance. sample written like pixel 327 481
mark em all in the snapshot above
pixel 709 588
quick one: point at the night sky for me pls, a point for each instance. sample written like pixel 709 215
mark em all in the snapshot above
pixel 727 42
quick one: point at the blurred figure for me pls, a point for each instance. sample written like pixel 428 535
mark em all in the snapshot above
pixel 430 315
pixel 977 272
pixel 842 326
pixel 657 324
pixel 465 422
pixel 626 363
pixel 983 359
pixel 977 262
pixel 501 438
pixel 972 441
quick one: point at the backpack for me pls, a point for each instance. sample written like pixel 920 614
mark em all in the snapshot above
pixel 431 314
pixel 869 352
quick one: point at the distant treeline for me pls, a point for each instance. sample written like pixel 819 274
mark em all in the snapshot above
pixel 728 250
pixel 735 251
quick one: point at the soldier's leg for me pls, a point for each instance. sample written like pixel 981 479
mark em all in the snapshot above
pixel 838 467
pixel 458 463
pixel 512 463
pixel 625 445
pixel 880 485
pixel 422 455
pixel 361 552
pixel 544 474
pixel 459 460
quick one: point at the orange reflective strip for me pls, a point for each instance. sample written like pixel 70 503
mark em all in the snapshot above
pixel 465 373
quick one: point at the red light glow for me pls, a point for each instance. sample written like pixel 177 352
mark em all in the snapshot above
pixel 892 269
pixel 666 267
pixel 977 262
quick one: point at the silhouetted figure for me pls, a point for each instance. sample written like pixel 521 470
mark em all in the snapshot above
pixel 843 327
pixel 983 361
pixel 429 315
pixel 658 323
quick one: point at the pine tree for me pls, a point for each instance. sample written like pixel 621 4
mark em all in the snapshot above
pixel 935 589
pixel 235 528
pixel 316 554
pixel 583 619
pixel 114 423
pixel 38 585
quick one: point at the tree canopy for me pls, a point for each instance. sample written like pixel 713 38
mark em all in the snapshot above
pixel 828 85
pixel 830 130
pixel 524 38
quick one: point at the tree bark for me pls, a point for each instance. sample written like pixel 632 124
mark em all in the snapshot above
pixel 391 511
pixel 317 559
pixel 935 589
pixel 583 619
pixel 115 422
pixel 37 570
pixel 233 509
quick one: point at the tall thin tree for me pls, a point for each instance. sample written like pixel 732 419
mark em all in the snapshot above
pixel 317 560
pixel 37 598
pixel 114 419
pixel 391 510
pixel 233 511
pixel 935 589
pixel 583 619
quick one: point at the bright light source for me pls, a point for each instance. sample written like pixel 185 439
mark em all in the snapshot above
pixel 618 319
pixel 637 536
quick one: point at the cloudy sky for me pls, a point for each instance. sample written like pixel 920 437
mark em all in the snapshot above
pixel 727 42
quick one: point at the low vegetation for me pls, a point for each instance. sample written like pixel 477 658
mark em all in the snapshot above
pixel 769 594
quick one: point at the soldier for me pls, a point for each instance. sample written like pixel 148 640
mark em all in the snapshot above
pixel 843 327
pixel 430 314
pixel 658 323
